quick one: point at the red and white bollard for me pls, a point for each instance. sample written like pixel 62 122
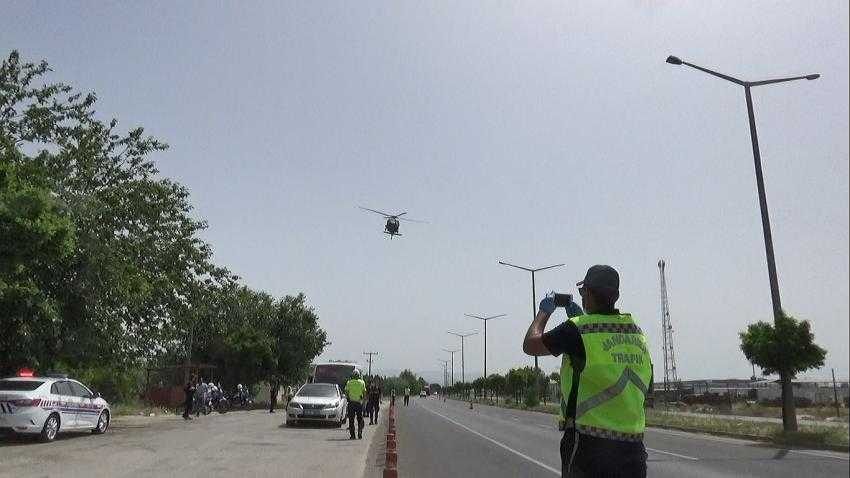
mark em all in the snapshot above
pixel 391 462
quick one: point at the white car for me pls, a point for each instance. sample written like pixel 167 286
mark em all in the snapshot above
pixel 48 405
pixel 317 402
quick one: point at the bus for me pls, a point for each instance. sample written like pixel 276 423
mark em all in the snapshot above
pixel 337 372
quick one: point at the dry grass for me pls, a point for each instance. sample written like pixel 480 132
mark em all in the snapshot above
pixel 808 435
pixel 758 410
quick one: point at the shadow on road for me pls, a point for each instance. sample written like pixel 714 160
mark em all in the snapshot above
pixel 32 440
pixel 310 426
pixel 780 454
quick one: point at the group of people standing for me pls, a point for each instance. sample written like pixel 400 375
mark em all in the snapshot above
pixel 202 396
pixel 199 395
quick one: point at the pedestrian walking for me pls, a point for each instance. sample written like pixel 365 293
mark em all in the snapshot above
pixel 392 397
pixel 201 398
pixel 374 403
pixel 606 372
pixel 274 388
pixel 355 390
pixel 406 396
pixel 189 390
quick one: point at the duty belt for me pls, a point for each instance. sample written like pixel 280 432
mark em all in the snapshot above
pixel 570 424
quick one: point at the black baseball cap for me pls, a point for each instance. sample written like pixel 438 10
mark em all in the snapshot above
pixel 601 277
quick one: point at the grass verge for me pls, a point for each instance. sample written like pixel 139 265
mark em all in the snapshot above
pixel 136 407
pixel 808 435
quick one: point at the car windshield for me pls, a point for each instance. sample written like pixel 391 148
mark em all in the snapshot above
pixel 318 390
pixel 19 385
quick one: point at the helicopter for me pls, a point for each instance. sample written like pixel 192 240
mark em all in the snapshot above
pixel 392 225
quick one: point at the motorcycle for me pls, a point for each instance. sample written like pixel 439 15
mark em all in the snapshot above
pixel 222 403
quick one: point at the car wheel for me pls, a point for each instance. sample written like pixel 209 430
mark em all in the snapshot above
pixel 50 428
pixel 102 423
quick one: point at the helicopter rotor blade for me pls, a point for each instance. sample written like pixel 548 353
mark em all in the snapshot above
pixel 376 212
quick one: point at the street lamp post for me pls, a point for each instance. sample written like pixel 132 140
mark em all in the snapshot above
pixel 533 292
pixel 445 373
pixel 453 365
pixel 485 320
pixel 789 418
pixel 462 359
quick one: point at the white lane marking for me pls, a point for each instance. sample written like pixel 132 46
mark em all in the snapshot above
pixel 497 443
pixel 686 457
pixel 822 455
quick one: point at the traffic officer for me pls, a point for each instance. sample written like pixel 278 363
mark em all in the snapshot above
pixel 606 372
pixel 355 390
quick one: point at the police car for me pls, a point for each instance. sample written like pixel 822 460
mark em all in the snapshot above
pixel 49 405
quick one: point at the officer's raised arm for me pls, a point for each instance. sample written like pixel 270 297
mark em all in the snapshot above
pixel 533 343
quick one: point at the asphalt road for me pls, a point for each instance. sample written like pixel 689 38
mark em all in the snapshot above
pixel 236 444
pixel 439 439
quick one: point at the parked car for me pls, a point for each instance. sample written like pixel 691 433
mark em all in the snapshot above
pixel 46 406
pixel 317 402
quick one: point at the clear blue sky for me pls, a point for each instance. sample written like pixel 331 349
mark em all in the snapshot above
pixel 534 132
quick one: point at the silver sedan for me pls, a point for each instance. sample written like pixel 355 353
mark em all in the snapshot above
pixel 317 402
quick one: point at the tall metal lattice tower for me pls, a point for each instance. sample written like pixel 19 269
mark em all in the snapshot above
pixel 671 380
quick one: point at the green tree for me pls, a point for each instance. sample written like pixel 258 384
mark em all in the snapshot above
pixel 478 386
pixel 515 383
pixel 496 384
pixel 298 337
pixel 36 241
pixel 786 348
pixel 137 259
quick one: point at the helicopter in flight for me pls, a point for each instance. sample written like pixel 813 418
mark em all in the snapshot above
pixel 392 225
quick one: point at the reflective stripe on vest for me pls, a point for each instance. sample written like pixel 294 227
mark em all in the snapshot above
pixel 613 383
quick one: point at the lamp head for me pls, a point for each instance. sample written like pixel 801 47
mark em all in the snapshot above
pixel 674 60
pixel 813 77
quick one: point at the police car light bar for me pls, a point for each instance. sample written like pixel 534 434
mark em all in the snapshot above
pixel 25 372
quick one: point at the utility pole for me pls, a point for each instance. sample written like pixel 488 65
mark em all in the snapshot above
pixel 670 375
pixel 462 360
pixel 452 384
pixel 370 354
pixel 789 412
pixel 835 394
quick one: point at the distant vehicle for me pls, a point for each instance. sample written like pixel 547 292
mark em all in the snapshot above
pixel 46 406
pixel 317 402
pixel 332 372
pixel 393 224
pixel 423 394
